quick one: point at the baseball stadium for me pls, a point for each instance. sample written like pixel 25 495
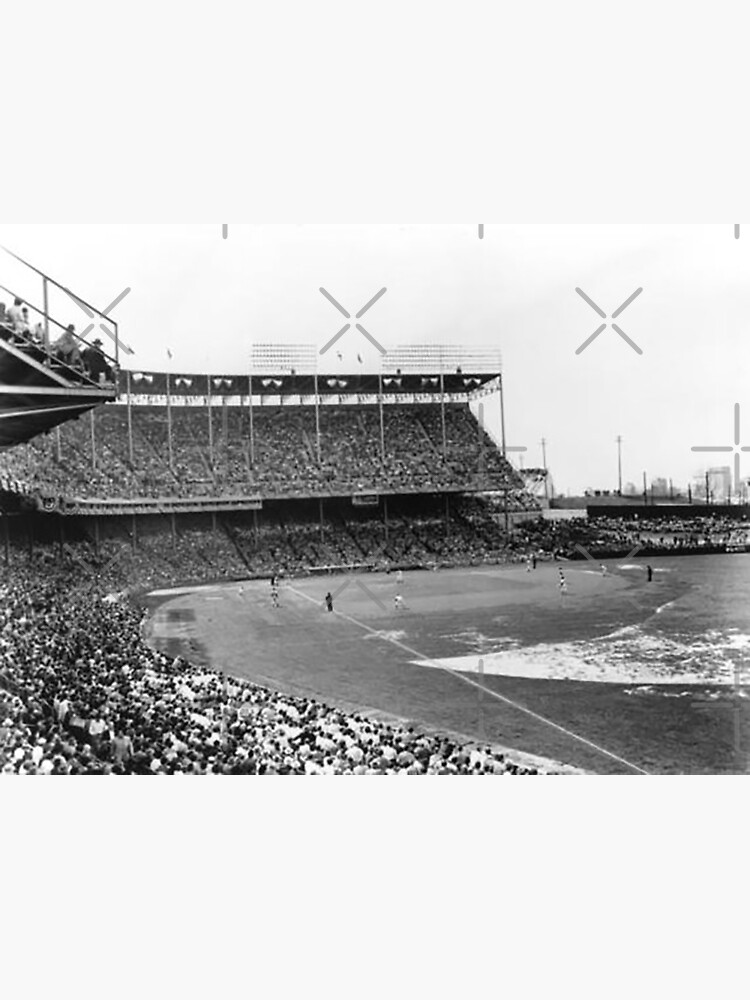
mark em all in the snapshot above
pixel 296 569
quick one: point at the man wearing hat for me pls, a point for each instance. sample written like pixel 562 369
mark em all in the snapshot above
pixel 95 363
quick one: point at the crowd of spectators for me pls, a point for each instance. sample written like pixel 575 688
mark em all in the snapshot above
pixel 668 534
pixel 235 548
pixel 190 555
pixel 69 352
pixel 287 537
pixel 417 535
pixel 16 326
pixel 615 536
pixel 82 693
pixel 152 451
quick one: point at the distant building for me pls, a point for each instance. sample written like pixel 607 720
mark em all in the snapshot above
pixel 719 485
pixel 720 482
pixel 659 487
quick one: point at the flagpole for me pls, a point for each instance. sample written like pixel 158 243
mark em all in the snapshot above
pixel 210 424
pixel 225 421
pixel 442 401
pixel 317 413
pixel 502 416
pixel 380 408
pixel 169 423
pixel 250 397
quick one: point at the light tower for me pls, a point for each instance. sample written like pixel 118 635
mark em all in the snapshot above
pixel 619 465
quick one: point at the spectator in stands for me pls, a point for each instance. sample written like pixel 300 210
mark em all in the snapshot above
pixel 5 324
pixel 67 350
pixel 95 364
pixel 122 748
pixel 15 315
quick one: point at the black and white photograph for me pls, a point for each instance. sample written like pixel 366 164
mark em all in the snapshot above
pixel 374 405
pixel 374 500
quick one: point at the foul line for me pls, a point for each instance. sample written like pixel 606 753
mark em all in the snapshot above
pixel 479 687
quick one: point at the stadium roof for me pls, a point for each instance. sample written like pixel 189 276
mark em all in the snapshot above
pixel 162 385
pixel 287 370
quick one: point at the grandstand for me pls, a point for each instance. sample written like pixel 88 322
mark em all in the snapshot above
pixel 305 467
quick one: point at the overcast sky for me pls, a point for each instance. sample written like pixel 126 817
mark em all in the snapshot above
pixel 208 299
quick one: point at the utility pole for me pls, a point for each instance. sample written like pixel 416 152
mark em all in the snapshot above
pixel 544 466
pixel 502 417
pixel 619 465
pixel 708 498
pixel 645 492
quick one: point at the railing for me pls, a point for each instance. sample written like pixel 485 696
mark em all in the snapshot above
pixel 71 505
pixel 147 505
pixel 30 347
pixel 92 311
